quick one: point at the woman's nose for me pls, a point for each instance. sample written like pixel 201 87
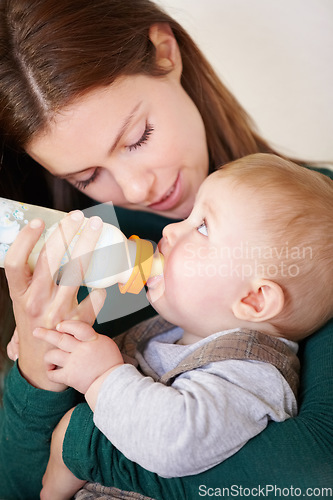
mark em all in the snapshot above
pixel 136 186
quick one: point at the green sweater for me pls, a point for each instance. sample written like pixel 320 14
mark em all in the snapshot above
pixel 296 454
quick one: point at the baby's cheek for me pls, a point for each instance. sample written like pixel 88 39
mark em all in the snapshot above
pixel 176 274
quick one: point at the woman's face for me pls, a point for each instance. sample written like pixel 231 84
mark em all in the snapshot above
pixel 139 143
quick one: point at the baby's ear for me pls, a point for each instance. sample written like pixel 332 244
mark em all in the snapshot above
pixel 264 301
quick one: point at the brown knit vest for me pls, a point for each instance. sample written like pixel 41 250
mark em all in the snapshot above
pixel 246 345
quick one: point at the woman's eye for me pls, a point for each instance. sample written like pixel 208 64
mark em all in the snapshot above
pixel 143 139
pixel 203 228
pixel 86 182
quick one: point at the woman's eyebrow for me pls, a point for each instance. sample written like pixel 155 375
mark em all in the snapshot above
pixel 121 132
pixel 125 126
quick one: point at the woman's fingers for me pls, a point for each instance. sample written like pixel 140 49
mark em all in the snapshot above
pixel 13 347
pixel 73 272
pixel 79 242
pixel 58 244
pixel 89 308
pixel 16 262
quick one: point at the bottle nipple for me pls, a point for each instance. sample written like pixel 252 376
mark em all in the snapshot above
pixel 147 264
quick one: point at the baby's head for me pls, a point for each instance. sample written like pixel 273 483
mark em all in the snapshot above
pixel 291 222
pixel 256 251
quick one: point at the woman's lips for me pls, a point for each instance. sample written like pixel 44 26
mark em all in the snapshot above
pixel 170 199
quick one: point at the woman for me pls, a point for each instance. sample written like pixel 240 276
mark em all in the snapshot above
pixel 115 97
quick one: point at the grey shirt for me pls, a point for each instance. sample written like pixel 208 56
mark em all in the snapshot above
pixel 204 417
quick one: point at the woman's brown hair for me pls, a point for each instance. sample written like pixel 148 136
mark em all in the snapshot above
pixel 53 51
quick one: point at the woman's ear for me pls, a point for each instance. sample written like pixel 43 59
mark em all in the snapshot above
pixel 167 50
pixel 263 302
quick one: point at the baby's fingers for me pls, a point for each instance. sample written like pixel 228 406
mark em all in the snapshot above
pixel 81 331
pixel 58 375
pixel 63 341
pixel 57 358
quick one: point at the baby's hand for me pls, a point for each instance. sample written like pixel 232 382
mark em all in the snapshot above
pixel 81 356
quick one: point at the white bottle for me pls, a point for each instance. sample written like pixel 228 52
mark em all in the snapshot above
pixel 116 259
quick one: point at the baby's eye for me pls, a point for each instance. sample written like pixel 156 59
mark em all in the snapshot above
pixel 203 228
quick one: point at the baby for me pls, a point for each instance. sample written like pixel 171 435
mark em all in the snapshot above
pixel 247 275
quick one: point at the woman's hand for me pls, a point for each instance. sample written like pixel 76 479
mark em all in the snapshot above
pixel 82 355
pixel 37 300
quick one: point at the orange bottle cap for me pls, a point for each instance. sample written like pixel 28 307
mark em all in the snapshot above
pixel 142 266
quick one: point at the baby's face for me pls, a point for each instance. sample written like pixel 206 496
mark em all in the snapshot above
pixel 205 266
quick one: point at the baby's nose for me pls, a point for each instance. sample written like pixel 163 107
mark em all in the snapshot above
pixel 172 232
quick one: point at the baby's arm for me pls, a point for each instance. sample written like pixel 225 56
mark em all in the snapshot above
pixel 207 414
pixel 81 356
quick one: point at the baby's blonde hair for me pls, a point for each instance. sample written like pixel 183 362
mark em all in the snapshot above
pixel 293 215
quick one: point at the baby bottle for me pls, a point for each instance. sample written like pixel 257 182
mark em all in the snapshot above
pixel 116 259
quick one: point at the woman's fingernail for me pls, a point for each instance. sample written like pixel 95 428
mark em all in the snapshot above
pixel 35 223
pixel 35 332
pixel 76 215
pixel 95 223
